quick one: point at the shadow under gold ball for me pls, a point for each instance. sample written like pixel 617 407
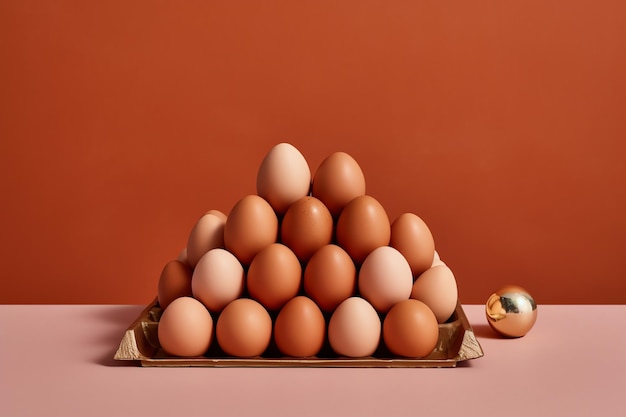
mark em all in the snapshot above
pixel 511 311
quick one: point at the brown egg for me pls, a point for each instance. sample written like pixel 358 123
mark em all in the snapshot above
pixel 306 227
pixel 363 226
pixel 218 279
pixel 206 234
pixel 437 288
pixel 244 328
pixel 251 226
pixel 385 278
pixel 337 181
pixel 300 328
pixel 174 282
pixel 354 328
pixel 411 236
pixel 185 328
pixel 284 177
pixel 330 277
pixel 274 276
pixel 410 329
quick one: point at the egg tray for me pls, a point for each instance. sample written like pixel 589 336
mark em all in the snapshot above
pixel 140 343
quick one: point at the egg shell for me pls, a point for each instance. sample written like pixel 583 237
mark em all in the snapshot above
pixel 174 282
pixel 412 237
pixel 218 279
pixel 274 276
pixel 385 278
pixel 330 277
pixel 251 226
pixel 410 329
pixel 185 328
pixel 244 328
pixel 363 226
pixel 300 328
pixel 306 227
pixel 337 181
pixel 284 176
pixel 206 234
pixel 437 288
pixel 354 329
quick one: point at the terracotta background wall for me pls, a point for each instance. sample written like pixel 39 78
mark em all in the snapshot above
pixel 501 124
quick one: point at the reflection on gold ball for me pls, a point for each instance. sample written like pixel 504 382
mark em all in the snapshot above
pixel 511 311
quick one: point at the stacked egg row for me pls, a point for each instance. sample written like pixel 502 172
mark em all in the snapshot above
pixel 305 261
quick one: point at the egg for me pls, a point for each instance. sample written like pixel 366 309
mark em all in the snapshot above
pixel 412 237
pixel 385 278
pixel 410 329
pixel 185 328
pixel 218 279
pixel 300 328
pixel 283 177
pixel 244 328
pixel 437 288
pixel 251 226
pixel 363 226
pixel 337 181
pixel 174 282
pixel 206 234
pixel 330 277
pixel 306 227
pixel 354 329
pixel 274 276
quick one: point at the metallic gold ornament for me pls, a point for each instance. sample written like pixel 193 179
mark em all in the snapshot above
pixel 511 311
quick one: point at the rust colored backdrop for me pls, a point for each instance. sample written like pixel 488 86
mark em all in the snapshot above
pixel 501 124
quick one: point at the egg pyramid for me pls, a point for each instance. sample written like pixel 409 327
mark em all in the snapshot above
pixel 309 266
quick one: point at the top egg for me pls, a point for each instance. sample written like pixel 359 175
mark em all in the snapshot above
pixel 283 177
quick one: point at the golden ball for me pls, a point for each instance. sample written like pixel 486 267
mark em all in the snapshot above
pixel 511 311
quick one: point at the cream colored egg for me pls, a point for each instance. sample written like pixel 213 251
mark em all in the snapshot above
pixel 218 279
pixel 385 278
pixel 284 176
pixel 354 329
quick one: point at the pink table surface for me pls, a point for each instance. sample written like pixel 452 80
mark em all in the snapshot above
pixel 56 360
